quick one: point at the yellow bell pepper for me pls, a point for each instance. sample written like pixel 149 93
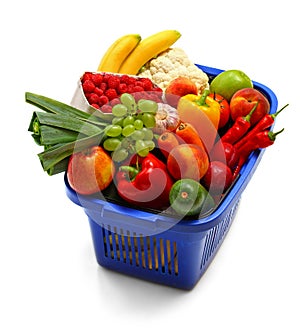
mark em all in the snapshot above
pixel 203 112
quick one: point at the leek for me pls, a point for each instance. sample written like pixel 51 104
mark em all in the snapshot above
pixel 62 130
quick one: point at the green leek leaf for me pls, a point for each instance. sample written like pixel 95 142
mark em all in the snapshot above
pixel 57 107
pixel 54 155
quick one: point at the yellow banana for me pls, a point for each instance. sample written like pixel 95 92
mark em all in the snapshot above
pixel 117 52
pixel 147 49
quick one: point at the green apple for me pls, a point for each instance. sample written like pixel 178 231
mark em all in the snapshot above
pixel 230 81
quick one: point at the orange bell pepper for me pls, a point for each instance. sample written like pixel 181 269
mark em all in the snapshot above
pixel 203 112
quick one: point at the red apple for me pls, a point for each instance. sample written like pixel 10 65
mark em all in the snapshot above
pixel 243 101
pixel 90 171
pixel 179 87
pixel 218 178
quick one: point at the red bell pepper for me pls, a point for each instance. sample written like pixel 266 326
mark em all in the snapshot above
pixel 145 182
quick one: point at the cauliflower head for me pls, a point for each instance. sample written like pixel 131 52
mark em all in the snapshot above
pixel 171 64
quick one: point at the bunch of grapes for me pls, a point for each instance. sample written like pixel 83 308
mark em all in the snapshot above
pixel 130 131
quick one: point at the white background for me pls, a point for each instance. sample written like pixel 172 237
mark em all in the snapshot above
pixel 49 276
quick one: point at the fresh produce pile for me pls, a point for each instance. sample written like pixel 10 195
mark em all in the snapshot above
pixel 177 147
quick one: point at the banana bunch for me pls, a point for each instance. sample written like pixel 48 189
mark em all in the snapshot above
pixel 130 52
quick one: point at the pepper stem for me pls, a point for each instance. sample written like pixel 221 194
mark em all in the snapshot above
pixel 275 114
pixel 202 100
pixel 272 135
pixel 130 170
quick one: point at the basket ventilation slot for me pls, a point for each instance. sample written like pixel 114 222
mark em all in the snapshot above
pixel 215 236
pixel 147 252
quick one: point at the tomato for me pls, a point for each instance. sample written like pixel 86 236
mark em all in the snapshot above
pixel 224 109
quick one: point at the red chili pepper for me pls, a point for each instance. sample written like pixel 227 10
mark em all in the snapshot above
pixel 262 139
pixel 262 125
pixel 146 184
pixel 240 127
pixel 265 138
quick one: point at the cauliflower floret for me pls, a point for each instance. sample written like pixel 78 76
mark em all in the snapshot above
pixel 171 64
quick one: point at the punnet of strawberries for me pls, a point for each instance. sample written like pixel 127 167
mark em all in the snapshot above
pixel 103 90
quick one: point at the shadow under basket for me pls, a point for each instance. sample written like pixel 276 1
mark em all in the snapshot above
pixel 159 248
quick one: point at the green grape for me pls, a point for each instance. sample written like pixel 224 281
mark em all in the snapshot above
pixel 140 144
pixel 150 144
pixel 117 121
pixel 137 135
pixel 125 143
pixel 149 120
pixel 138 124
pixel 139 116
pixel 111 144
pixel 128 130
pixel 128 120
pixel 148 106
pixel 148 134
pixel 128 100
pixel 119 110
pixel 113 130
pixel 143 152
pixel 119 155
pixel 141 148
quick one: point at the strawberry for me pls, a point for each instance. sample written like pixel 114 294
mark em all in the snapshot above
pixel 86 76
pixel 125 79
pixel 113 82
pixel 146 84
pixel 130 88
pixel 111 93
pixel 103 100
pixel 106 108
pixel 131 80
pixel 138 83
pixel 140 95
pixel 115 101
pixel 93 99
pixel 88 86
pixel 122 88
pixel 98 91
pixel 106 77
pixel 95 106
pixel 103 86
pixel 137 88
pixel 97 79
